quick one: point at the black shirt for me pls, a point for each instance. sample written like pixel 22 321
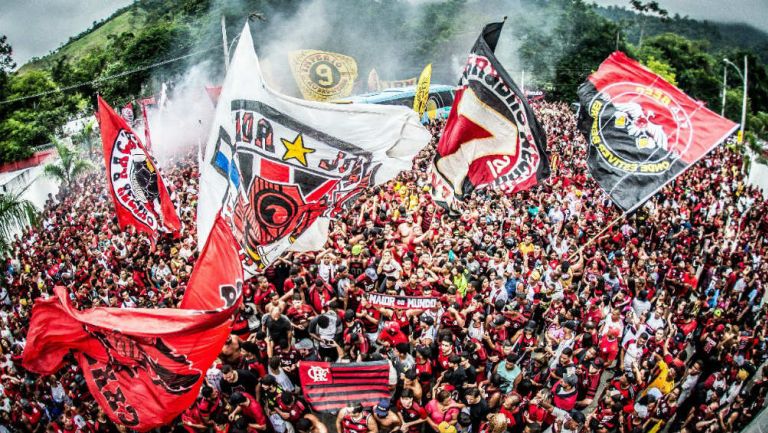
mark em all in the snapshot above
pixel 246 381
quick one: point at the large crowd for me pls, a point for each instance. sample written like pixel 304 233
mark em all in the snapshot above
pixel 555 310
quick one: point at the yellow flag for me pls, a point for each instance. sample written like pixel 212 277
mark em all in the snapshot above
pixel 422 91
pixel 322 75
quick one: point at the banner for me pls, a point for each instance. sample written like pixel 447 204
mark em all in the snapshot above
pixel 322 75
pixel 280 167
pixel 143 366
pixel 127 112
pixel 332 386
pixel 402 302
pixel 373 81
pixel 491 136
pixel 642 131
pixel 422 91
pixel 144 103
pixel 397 84
pixel 138 190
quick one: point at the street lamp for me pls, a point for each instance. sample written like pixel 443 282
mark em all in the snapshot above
pixel 744 96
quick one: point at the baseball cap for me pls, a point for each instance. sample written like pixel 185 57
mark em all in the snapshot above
pixel 357 249
pixel 382 408
pixel 371 273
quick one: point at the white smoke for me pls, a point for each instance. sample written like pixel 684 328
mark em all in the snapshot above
pixel 183 123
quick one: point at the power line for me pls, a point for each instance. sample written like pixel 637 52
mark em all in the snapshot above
pixel 111 77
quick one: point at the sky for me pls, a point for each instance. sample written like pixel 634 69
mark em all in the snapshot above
pixel 753 12
pixel 35 27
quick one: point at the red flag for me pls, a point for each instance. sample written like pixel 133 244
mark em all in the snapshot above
pixel 144 102
pixel 331 386
pixel 642 131
pixel 141 198
pixel 143 366
pixel 213 92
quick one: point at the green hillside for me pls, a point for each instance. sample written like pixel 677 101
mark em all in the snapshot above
pixel 126 20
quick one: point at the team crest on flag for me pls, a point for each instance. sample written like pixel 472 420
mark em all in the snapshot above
pixel 280 183
pixel 281 168
pixel 642 131
pixel 133 179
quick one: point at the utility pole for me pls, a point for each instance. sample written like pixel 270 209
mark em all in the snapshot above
pixel 743 76
pixel 744 103
pixel 725 84
pixel 224 41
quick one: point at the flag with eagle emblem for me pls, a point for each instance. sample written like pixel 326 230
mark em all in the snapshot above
pixel 279 167
pixel 642 131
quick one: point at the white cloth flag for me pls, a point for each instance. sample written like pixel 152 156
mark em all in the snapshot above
pixel 279 168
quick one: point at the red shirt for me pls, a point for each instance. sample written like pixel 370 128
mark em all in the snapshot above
pixel 253 411
pixel 609 350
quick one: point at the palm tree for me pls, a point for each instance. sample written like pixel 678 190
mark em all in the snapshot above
pixel 69 165
pixel 15 213
pixel 86 136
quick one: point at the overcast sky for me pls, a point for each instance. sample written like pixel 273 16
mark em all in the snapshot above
pixel 753 12
pixel 35 27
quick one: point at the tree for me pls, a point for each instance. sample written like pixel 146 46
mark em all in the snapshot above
pixel 69 166
pixel 662 68
pixel 644 9
pixel 15 213
pixel 85 136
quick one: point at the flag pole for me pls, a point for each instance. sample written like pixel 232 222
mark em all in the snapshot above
pixel 597 236
pixel 224 41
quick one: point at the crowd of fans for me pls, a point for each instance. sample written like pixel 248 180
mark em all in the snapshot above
pixel 555 311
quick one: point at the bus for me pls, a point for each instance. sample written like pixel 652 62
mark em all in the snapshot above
pixel 438 105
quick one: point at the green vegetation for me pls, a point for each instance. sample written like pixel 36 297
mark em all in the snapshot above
pixel 15 213
pixel 69 166
pixel 558 43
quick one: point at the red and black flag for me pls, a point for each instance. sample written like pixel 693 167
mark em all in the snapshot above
pixel 144 366
pixel 642 131
pixel 332 386
pixel 133 179
pixel 492 136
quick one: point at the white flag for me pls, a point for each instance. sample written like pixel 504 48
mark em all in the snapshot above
pixel 279 167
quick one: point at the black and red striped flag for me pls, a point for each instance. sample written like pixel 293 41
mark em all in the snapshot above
pixel 331 386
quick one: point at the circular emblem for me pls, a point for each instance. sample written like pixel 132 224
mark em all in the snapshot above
pixel 639 129
pixel 325 75
pixel 274 209
pixel 134 178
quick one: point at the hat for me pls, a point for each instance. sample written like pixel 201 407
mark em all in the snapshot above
pixel 382 409
pixel 444 427
pixel 357 249
pixel 720 328
pixel 304 344
pixel 371 273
